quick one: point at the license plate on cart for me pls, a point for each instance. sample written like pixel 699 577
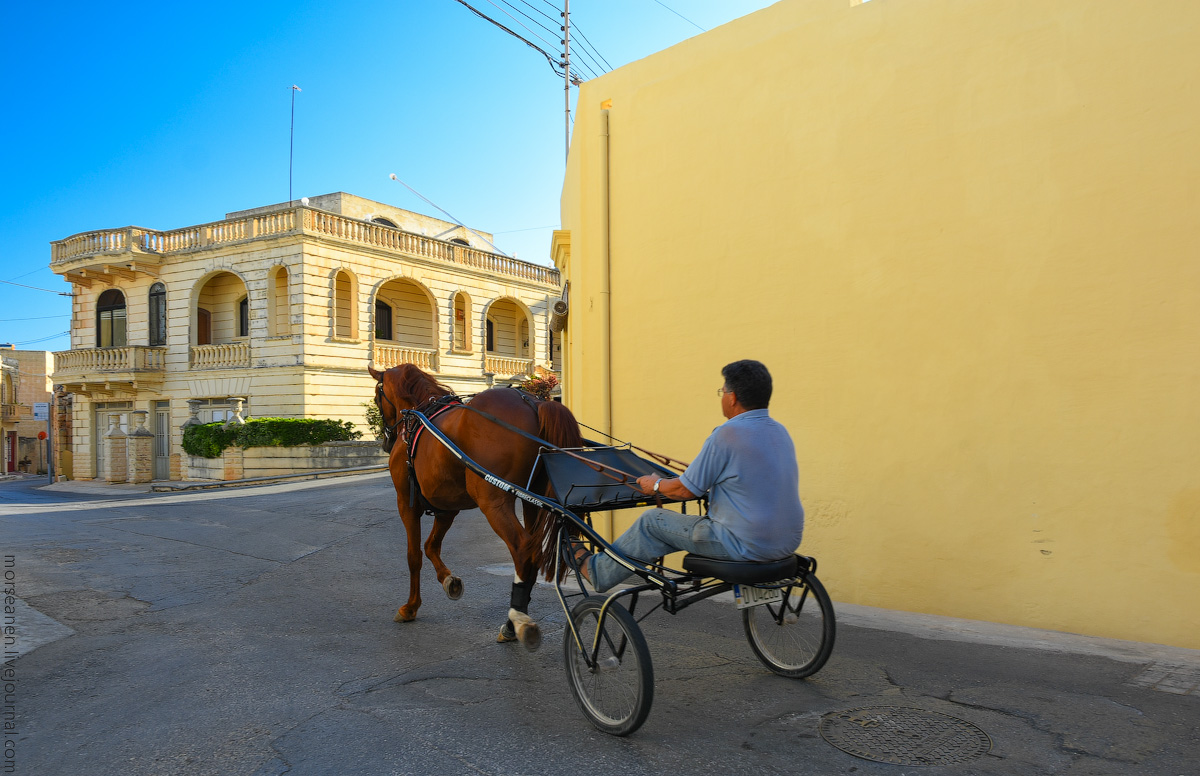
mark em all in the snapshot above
pixel 748 595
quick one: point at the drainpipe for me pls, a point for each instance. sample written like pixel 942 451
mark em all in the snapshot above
pixel 606 384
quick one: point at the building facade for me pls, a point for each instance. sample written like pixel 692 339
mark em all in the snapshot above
pixel 24 383
pixel 963 238
pixel 284 307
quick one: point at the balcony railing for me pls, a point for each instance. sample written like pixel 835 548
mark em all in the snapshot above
pixel 99 361
pixel 292 221
pixel 502 366
pixel 9 412
pixel 388 356
pixel 230 355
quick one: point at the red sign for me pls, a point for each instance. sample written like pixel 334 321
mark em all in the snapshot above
pixel 41 435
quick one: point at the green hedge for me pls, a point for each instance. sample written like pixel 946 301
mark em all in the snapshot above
pixel 209 439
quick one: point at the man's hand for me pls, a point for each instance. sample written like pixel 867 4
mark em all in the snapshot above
pixel 671 487
pixel 646 484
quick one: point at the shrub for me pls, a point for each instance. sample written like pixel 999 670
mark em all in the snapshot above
pixel 209 439
pixel 374 418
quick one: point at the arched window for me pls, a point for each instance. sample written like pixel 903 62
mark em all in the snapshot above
pixel 110 319
pixel 383 320
pixel 382 221
pixel 343 306
pixel 491 335
pixel 158 314
pixel 460 241
pixel 279 302
pixel 243 328
pixel 462 314
pixel 203 327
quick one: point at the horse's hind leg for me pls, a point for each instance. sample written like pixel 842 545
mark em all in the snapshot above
pixel 412 528
pixel 433 550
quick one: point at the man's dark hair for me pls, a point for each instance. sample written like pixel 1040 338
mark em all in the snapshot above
pixel 751 381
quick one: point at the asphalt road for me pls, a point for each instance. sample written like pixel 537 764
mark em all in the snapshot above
pixel 250 631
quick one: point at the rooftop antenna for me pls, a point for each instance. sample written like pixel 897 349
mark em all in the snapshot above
pixel 292 141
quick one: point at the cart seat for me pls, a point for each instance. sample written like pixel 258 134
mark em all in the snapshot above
pixel 742 572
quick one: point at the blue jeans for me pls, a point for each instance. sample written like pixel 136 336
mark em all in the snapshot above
pixel 655 533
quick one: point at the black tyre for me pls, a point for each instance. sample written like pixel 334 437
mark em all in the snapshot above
pixel 796 641
pixel 615 693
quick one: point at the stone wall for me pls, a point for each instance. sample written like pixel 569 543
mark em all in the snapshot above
pixel 236 463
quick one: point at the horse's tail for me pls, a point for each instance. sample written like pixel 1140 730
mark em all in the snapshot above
pixel 556 425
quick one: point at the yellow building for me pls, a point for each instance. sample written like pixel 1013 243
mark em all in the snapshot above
pixel 963 237
pixel 24 383
pixel 284 307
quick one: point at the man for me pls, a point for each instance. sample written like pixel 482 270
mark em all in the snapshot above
pixel 747 467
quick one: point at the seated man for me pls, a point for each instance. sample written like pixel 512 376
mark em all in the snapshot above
pixel 747 467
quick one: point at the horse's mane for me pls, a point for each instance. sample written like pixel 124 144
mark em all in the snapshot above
pixel 414 386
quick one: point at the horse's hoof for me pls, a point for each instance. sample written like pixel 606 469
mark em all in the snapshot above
pixel 453 587
pixel 507 634
pixel 530 635
pixel 403 616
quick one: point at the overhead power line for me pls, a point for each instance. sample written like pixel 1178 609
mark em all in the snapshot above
pixel 44 339
pixel 554 64
pixel 520 23
pixel 681 16
pixel 552 30
pixel 35 288
pixel 37 318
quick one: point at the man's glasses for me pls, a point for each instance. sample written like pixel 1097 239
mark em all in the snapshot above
pixel 722 392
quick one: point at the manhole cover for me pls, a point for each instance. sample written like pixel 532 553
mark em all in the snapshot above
pixel 904 736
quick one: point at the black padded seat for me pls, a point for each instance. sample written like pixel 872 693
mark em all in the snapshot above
pixel 742 572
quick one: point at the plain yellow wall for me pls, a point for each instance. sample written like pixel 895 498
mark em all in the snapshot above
pixel 963 236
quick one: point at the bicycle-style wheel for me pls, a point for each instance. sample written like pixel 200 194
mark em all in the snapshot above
pixel 616 692
pixel 793 637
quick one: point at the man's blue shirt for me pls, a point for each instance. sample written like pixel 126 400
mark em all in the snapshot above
pixel 748 468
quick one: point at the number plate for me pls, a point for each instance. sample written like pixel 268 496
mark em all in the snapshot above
pixel 748 595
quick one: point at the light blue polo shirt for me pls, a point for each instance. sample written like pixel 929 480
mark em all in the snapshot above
pixel 748 468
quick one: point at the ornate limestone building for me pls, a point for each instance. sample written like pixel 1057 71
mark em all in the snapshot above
pixel 285 306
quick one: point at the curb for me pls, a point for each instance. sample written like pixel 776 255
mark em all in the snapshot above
pixel 176 487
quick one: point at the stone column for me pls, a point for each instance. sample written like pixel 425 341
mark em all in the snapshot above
pixel 234 461
pixel 114 450
pixel 193 414
pixel 139 446
pixel 237 419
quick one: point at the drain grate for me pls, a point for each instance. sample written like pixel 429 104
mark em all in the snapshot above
pixel 904 736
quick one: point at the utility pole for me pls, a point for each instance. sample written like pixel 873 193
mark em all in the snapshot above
pixel 292 142
pixel 567 70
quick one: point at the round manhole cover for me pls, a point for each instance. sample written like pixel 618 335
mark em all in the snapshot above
pixel 904 736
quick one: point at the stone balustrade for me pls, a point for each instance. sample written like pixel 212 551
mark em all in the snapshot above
pixel 286 222
pixel 230 355
pixel 133 358
pixel 10 412
pixel 388 356
pixel 502 366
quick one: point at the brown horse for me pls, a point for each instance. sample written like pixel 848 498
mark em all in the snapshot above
pixel 448 487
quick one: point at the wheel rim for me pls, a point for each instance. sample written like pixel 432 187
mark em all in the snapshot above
pixel 609 692
pixel 795 643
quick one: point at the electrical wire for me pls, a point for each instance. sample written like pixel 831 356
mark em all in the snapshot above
pixel 579 30
pixel 543 13
pixel 522 24
pixel 43 339
pixel 681 16
pixel 555 65
pixel 447 214
pixel 553 32
pixel 38 318
pixel 35 288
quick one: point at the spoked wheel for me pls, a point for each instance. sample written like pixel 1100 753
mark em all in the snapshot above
pixel 616 692
pixel 793 637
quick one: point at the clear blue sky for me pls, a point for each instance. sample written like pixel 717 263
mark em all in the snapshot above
pixel 163 115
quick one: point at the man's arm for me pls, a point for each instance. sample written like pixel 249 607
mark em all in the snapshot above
pixel 670 488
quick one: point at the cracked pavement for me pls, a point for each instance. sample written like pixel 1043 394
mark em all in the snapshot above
pixel 250 632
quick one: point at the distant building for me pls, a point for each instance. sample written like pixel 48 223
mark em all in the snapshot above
pixel 24 383
pixel 285 306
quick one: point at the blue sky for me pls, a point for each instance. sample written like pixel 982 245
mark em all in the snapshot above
pixel 163 115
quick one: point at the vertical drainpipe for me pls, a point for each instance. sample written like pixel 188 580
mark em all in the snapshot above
pixel 606 384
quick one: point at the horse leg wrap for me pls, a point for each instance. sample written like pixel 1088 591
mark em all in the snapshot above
pixel 520 596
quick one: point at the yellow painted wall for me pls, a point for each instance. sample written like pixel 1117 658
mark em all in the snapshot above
pixel 963 237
